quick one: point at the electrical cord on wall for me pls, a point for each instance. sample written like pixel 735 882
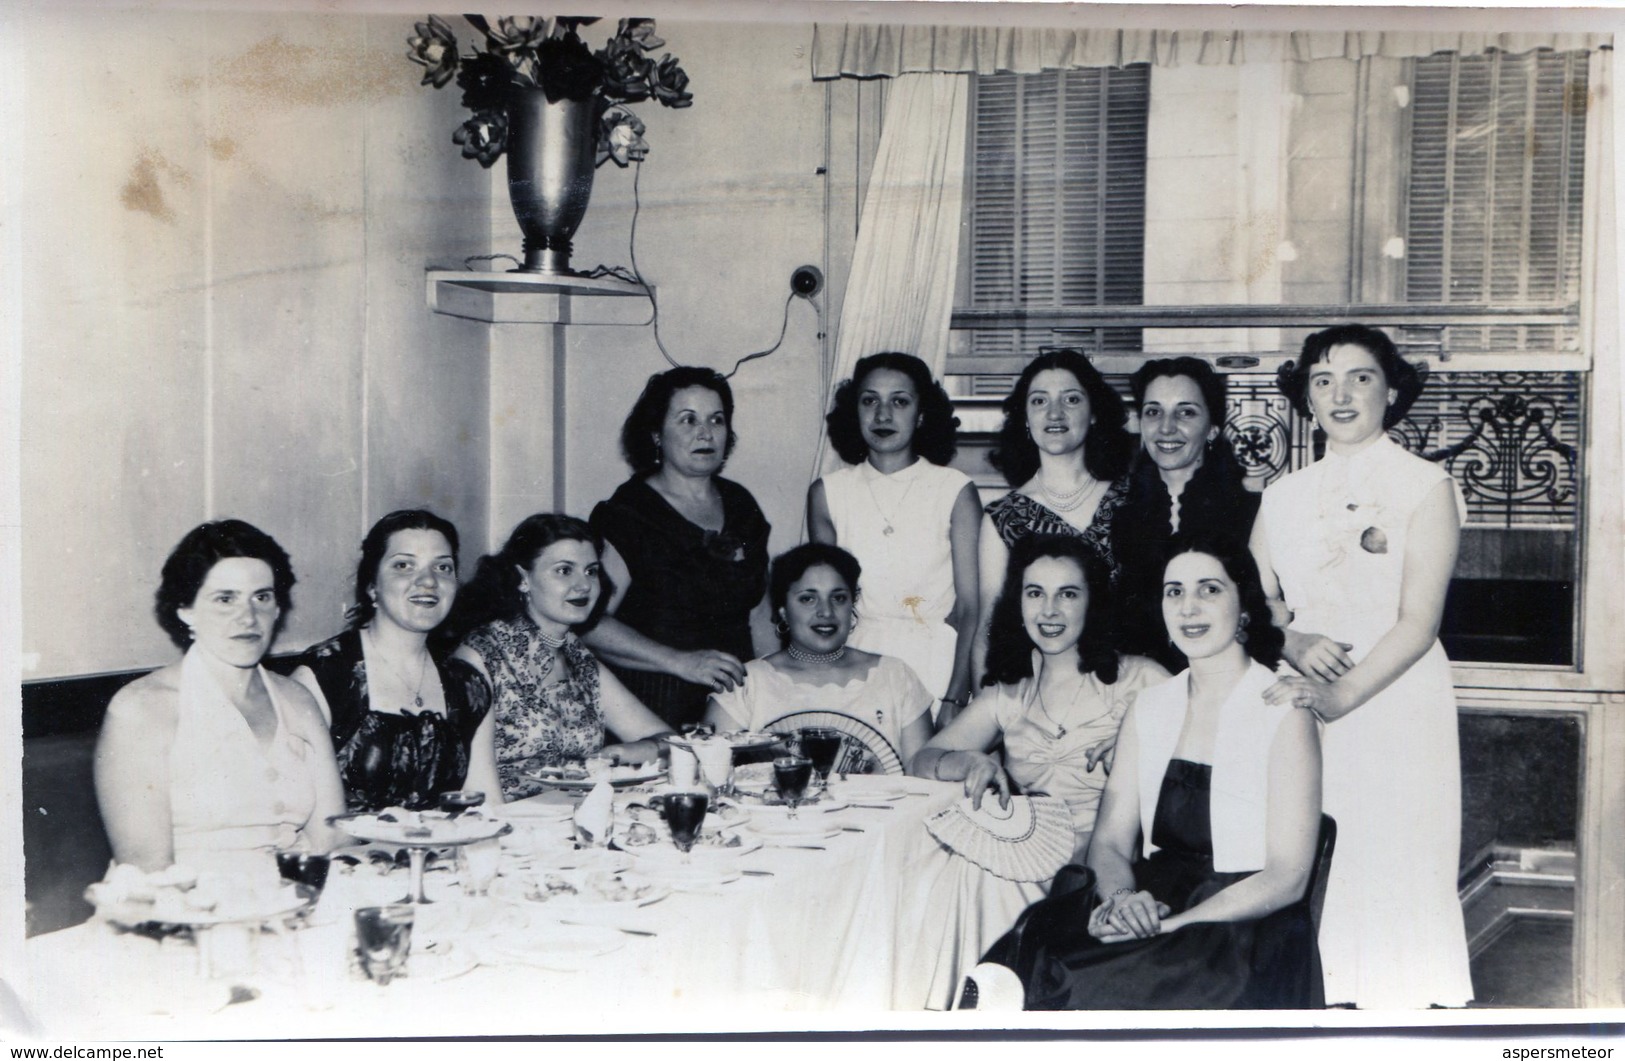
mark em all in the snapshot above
pixel 635 276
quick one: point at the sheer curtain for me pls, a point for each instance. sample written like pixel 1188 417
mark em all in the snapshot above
pixel 901 289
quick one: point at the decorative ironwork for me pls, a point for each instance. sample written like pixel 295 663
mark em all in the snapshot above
pixel 1267 437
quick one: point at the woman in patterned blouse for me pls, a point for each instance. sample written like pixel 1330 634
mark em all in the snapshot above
pixel 551 702
pixel 1064 451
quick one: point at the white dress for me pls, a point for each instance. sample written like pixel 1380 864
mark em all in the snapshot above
pixel 1391 935
pixel 888 698
pixel 908 574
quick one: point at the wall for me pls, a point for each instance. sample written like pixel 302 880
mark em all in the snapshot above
pixel 223 314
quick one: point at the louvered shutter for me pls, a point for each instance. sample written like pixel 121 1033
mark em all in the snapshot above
pixel 1057 203
pixel 1494 202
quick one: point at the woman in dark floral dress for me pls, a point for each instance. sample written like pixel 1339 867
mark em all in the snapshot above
pixel 1064 452
pixel 402 715
pixel 551 700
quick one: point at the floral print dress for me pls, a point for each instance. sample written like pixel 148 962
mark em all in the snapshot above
pixel 537 724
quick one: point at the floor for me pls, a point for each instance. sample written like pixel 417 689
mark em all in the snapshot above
pixel 1531 966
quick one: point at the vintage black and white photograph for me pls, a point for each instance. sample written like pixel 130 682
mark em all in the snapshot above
pixel 822 516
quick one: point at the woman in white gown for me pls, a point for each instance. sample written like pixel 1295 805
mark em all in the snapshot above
pixel 911 521
pixel 1361 546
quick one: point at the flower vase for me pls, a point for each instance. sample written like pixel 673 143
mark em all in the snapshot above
pixel 551 153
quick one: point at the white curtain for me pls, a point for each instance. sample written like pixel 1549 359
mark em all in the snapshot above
pixel 901 289
pixel 864 50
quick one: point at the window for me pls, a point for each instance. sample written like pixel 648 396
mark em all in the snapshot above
pixel 1056 203
pixel 1494 195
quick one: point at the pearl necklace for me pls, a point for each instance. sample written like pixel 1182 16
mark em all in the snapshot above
pixel 553 643
pixel 801 655
pixel 1072 501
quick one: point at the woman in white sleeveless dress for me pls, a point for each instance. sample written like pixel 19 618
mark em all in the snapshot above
pixel 1361 545
pixel 911 521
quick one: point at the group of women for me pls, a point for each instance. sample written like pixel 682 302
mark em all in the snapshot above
pixel 1024 647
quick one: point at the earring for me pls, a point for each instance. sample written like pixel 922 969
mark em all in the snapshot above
pixel 1241 629
pixel 781 627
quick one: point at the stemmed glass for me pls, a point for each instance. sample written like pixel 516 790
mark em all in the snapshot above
pixel 455 803
pixel 791 775
pixel 685 816
pixel 823 747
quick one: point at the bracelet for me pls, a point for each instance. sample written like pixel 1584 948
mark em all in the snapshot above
pixel 936 767
pixel 956 701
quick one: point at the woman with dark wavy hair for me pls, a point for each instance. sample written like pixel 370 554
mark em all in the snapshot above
pixel 214 762
pixel 1064 451
pixel 1184 479
pixel 1055 689
pixel 910 519
pixel 402 715
pixel 684 548
pixel 1196 893
pixel 1358 548
pixel 551 702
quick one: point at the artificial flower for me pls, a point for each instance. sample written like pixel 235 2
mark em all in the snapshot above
pixel 435 49
pixel 669 83
pixel 483 136
pixel 620 137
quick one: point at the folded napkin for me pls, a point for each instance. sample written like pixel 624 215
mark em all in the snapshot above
pixel 594 816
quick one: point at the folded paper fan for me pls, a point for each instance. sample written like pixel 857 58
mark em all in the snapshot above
pixel 1028 841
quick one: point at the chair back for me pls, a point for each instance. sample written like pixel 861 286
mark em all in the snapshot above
pixel 1320 872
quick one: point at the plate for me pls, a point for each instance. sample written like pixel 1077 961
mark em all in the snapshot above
pixel 743 740
pixel 771 804
pixel 530 811
pixel 546 945
pixel 879 788
pixel 170 907
pixel 697 877
pixel 595 888
pixel 439 959
pixel 619 777
pixel 566 858
pixel 665 853
pixel 801 827
pixel 429 828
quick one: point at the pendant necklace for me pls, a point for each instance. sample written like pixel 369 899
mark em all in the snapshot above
pixel 1060 728
pixel 801 655
pixel 886 517
pixel 423 670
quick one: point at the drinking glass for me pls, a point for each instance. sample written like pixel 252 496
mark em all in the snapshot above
pixel 823 747
pixel 477 866
pixel 455 803
pixel 716 756
pixel 302 867
pixel 383 936
pixel 684 770
pixel 685 815
pixel 791 775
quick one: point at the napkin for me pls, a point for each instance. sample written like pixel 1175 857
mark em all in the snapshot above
pixel 593 817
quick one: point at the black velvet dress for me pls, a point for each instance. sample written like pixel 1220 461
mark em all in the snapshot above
pixel 396 760
pixel 1214 502
pixel 1268 963
pixel 691 588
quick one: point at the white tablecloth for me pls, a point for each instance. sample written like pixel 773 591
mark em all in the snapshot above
pixel 883 919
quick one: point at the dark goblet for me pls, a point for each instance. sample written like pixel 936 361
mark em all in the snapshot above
pixel 685 815
pixel 301 867
pixel 823 747
pixel 455 803
pixel 791 776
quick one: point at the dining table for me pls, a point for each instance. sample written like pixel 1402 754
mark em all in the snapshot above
pixel 857 909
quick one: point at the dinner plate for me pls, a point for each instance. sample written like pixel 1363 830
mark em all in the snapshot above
pixel 597 888
pixel 619 777
pixel 549 945
pixel 743 740
pixel 770 804
pixel 170 907
pixel 427 828
pixel 439 959
pixel 696 877
pixel 566 859
pixel 665 853
pixel 801 827
pixel 876 788
pixel 532 811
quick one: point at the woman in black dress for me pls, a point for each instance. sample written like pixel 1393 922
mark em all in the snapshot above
pixel 402 714
pixel 1185 477
pixel 685 549
pixel 1205 841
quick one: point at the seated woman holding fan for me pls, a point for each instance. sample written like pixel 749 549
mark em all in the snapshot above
pixel 1206 838
pixel 814 593
pixel 402 715
pixel 551 700
pixel 1056 689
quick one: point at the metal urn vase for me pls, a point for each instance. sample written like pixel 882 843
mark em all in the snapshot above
pixel 551 155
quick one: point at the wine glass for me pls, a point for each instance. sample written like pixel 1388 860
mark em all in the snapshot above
pixel 477 866
pixel 302 867
pixel 685 815
pixel 383 937
pixel 455 803
pixel 791 775
pixel 823 747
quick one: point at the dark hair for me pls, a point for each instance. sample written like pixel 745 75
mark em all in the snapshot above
pixel 1010 650
pixel 493 592
pixel 791 565
pixel 1106 446
pixel 935 439
pixel 1212 386
pixel 1405 378
pixel 649 413
pixel 204 546
pixel 1264 639
pixel 372 554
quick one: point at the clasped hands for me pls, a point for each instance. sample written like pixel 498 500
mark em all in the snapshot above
pixel 1321 661
pixel 1133 916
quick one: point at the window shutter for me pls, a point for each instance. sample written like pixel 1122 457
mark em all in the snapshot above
pixel 1494 198
pixel 1057 203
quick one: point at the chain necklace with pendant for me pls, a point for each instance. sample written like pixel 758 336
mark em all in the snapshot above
pixel 423 670
pixel 886 517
